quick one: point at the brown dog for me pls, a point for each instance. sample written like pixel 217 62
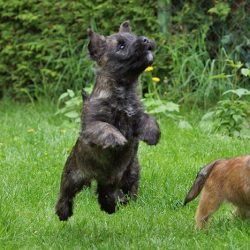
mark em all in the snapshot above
pixel 223 180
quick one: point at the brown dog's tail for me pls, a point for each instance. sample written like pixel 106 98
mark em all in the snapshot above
pixel 200 181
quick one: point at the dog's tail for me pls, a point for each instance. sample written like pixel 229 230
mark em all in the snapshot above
pixel 200 181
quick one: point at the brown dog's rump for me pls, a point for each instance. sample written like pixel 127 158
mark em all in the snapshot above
pixel 222 180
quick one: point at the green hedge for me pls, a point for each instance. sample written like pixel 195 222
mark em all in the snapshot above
pixel 43 43
pixel 40 38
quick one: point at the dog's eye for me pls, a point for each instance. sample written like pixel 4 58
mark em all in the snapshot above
pixel 121 46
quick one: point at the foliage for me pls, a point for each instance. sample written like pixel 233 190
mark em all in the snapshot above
pixel 70 104
pixel 47 40
pixel 204 34
pixel 153 102
pixel 42 43
pixel 221 9
pixel 231 115
pixel 156 104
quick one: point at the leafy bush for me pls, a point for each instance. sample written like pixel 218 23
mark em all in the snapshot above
pixel 43 44
pixel 228 117
pixel 203 35
pixel 231 115
pixel 70 104
pixel 232 118
pixel 153 102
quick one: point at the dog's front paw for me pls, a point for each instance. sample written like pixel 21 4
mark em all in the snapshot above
pixel 149 130
pixel 104 135
pixel 152 136
pixel 113 140
pixel 107 140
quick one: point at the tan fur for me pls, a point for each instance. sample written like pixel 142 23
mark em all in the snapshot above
pixel 229 181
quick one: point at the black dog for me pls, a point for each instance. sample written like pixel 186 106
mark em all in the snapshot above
pixel 113 122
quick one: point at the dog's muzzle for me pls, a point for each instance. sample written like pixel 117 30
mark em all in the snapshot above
pixel 146 47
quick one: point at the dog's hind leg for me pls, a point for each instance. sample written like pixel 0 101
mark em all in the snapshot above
pixel 108 197
pixel 209 203
pixel 71 183
pixel 130 179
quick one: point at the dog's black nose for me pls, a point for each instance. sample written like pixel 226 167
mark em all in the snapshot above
pixel 147 43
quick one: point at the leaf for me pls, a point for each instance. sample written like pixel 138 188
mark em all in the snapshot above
pixel 159 109
pixel 151 102
pixel 245 72
pixel 239 92
pixel 221 9
pixel 171 107
pixel 184 125
pixel 220 76
pixel 207 121
pixel 61 111
pixel 232 64
pixel 89 89
pixel 78 120
pixel 206 126
pixel 72 114
pixel 71 93
pixel 158 106
pixel 208 116
pixel 245 133
pixel 237 118
pixel 62 96
pixel 227 39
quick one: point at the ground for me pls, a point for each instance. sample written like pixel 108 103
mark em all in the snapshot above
pixel 34 144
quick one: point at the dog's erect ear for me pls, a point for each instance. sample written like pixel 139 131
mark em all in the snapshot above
pixel 96 46
pixel 124 27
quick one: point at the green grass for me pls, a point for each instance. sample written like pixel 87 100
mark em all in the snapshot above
pixel 34 145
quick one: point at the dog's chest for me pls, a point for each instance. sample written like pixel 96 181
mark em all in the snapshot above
pixel 124 115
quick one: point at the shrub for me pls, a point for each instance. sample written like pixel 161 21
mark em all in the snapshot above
pixel 43 43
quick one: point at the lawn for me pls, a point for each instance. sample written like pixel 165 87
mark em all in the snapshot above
pixel 34 145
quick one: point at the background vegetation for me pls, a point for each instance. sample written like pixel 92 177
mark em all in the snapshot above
pixel 203 51
pixel 43 44
pixel 198 88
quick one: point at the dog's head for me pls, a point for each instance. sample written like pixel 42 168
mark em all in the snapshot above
pixel 123 53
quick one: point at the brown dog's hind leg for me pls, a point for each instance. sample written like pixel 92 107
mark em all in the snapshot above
pixel 71 183
pixel 208 204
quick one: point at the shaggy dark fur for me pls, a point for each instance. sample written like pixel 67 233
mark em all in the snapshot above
pixel 113 122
